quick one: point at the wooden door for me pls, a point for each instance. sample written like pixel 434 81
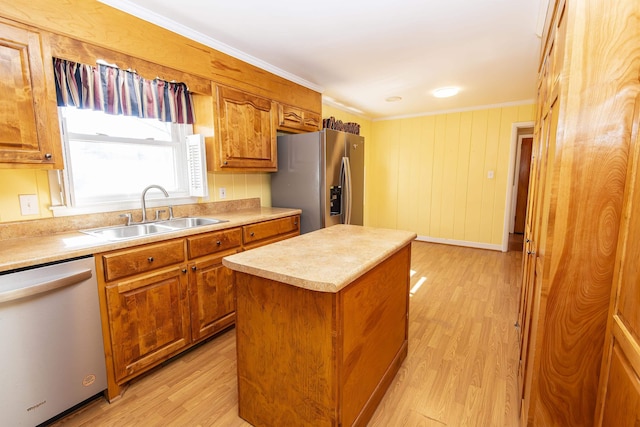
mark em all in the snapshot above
pixel 619 388
pixel 211 296
pixel 524 169
pixel 148 319
pixel 27 104
pixel 246 131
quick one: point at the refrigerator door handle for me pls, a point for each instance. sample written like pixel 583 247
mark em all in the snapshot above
pixel 347 198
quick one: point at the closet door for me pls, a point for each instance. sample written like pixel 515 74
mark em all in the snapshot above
pixel 619 391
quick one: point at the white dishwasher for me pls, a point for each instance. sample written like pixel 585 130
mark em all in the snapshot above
pixel 52 353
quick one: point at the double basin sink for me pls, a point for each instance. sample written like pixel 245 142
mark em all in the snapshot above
pixel 123 232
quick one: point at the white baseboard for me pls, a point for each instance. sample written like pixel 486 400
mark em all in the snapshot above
pixel 465 243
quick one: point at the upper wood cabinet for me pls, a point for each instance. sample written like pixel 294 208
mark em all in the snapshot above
pixel 295 118
pixel 245 131
pixel 28 114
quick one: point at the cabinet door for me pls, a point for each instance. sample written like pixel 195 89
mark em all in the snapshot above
pixel 296 118
pixel 246 131
pixel 622 402
pixel 619 388
pixel 27 104
pixel 148 319
pixel 211 296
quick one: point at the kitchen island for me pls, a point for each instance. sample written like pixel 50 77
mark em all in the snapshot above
pixel 322 325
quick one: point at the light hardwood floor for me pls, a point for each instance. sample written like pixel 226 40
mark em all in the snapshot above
pixel 461 369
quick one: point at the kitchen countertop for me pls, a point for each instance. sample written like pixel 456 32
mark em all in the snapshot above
pixel 27 243
pixel 325 260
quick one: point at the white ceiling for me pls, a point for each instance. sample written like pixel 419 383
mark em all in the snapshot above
pixel 360 52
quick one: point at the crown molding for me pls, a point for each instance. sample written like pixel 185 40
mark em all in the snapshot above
pixel 154 18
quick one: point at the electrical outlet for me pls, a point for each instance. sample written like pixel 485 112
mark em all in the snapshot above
pixel 490 175
pixel 29 204
pixel 223 193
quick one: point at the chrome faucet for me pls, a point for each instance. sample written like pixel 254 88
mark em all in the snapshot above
pixel 144 204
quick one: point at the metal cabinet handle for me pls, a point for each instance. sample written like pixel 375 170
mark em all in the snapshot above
pixel 194 268
pixel 218 243
pixel 184 270
pixel 531 252
pixel 48 156
pixel 150 259
pixel 252 234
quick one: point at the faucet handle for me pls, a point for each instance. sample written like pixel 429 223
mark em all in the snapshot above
pixel 126 215
pixel 158 212
pixel 170 212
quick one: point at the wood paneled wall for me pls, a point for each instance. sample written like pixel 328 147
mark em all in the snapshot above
pixel 429 174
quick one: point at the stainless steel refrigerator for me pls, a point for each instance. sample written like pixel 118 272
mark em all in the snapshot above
pixel 321 173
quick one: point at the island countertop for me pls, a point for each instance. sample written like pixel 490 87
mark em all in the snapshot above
pixel 325 260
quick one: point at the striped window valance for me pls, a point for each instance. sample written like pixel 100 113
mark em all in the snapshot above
pixel 116 91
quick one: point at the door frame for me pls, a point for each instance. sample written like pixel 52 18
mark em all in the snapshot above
pixel 516 182
pixel 514 156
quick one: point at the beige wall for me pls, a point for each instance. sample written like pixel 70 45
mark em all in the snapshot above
pixel 428 174
pixel 14 182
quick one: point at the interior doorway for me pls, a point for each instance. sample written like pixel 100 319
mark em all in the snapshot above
pixel 521 186
pixel 517 185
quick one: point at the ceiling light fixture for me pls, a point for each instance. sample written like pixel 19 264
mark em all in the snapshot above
pixel 394 99
pixel 446 92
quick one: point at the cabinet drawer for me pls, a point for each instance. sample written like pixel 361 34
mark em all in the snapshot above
pixel 211 243
pixel 142 259
pixel 269 229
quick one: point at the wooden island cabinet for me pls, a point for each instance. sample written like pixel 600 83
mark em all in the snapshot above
pixel 322 325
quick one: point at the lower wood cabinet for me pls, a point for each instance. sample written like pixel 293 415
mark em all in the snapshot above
pixel 157 300
pixel 148 320
pixel 263 233
pixel 211 296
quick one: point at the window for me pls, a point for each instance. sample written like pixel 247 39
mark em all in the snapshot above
pixel 110 159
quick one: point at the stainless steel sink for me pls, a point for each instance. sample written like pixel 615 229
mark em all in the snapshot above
pixel 123 232
pixel 188 222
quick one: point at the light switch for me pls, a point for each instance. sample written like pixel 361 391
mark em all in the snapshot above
pixel 490 175
pixel 29 204
pixel 223 193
